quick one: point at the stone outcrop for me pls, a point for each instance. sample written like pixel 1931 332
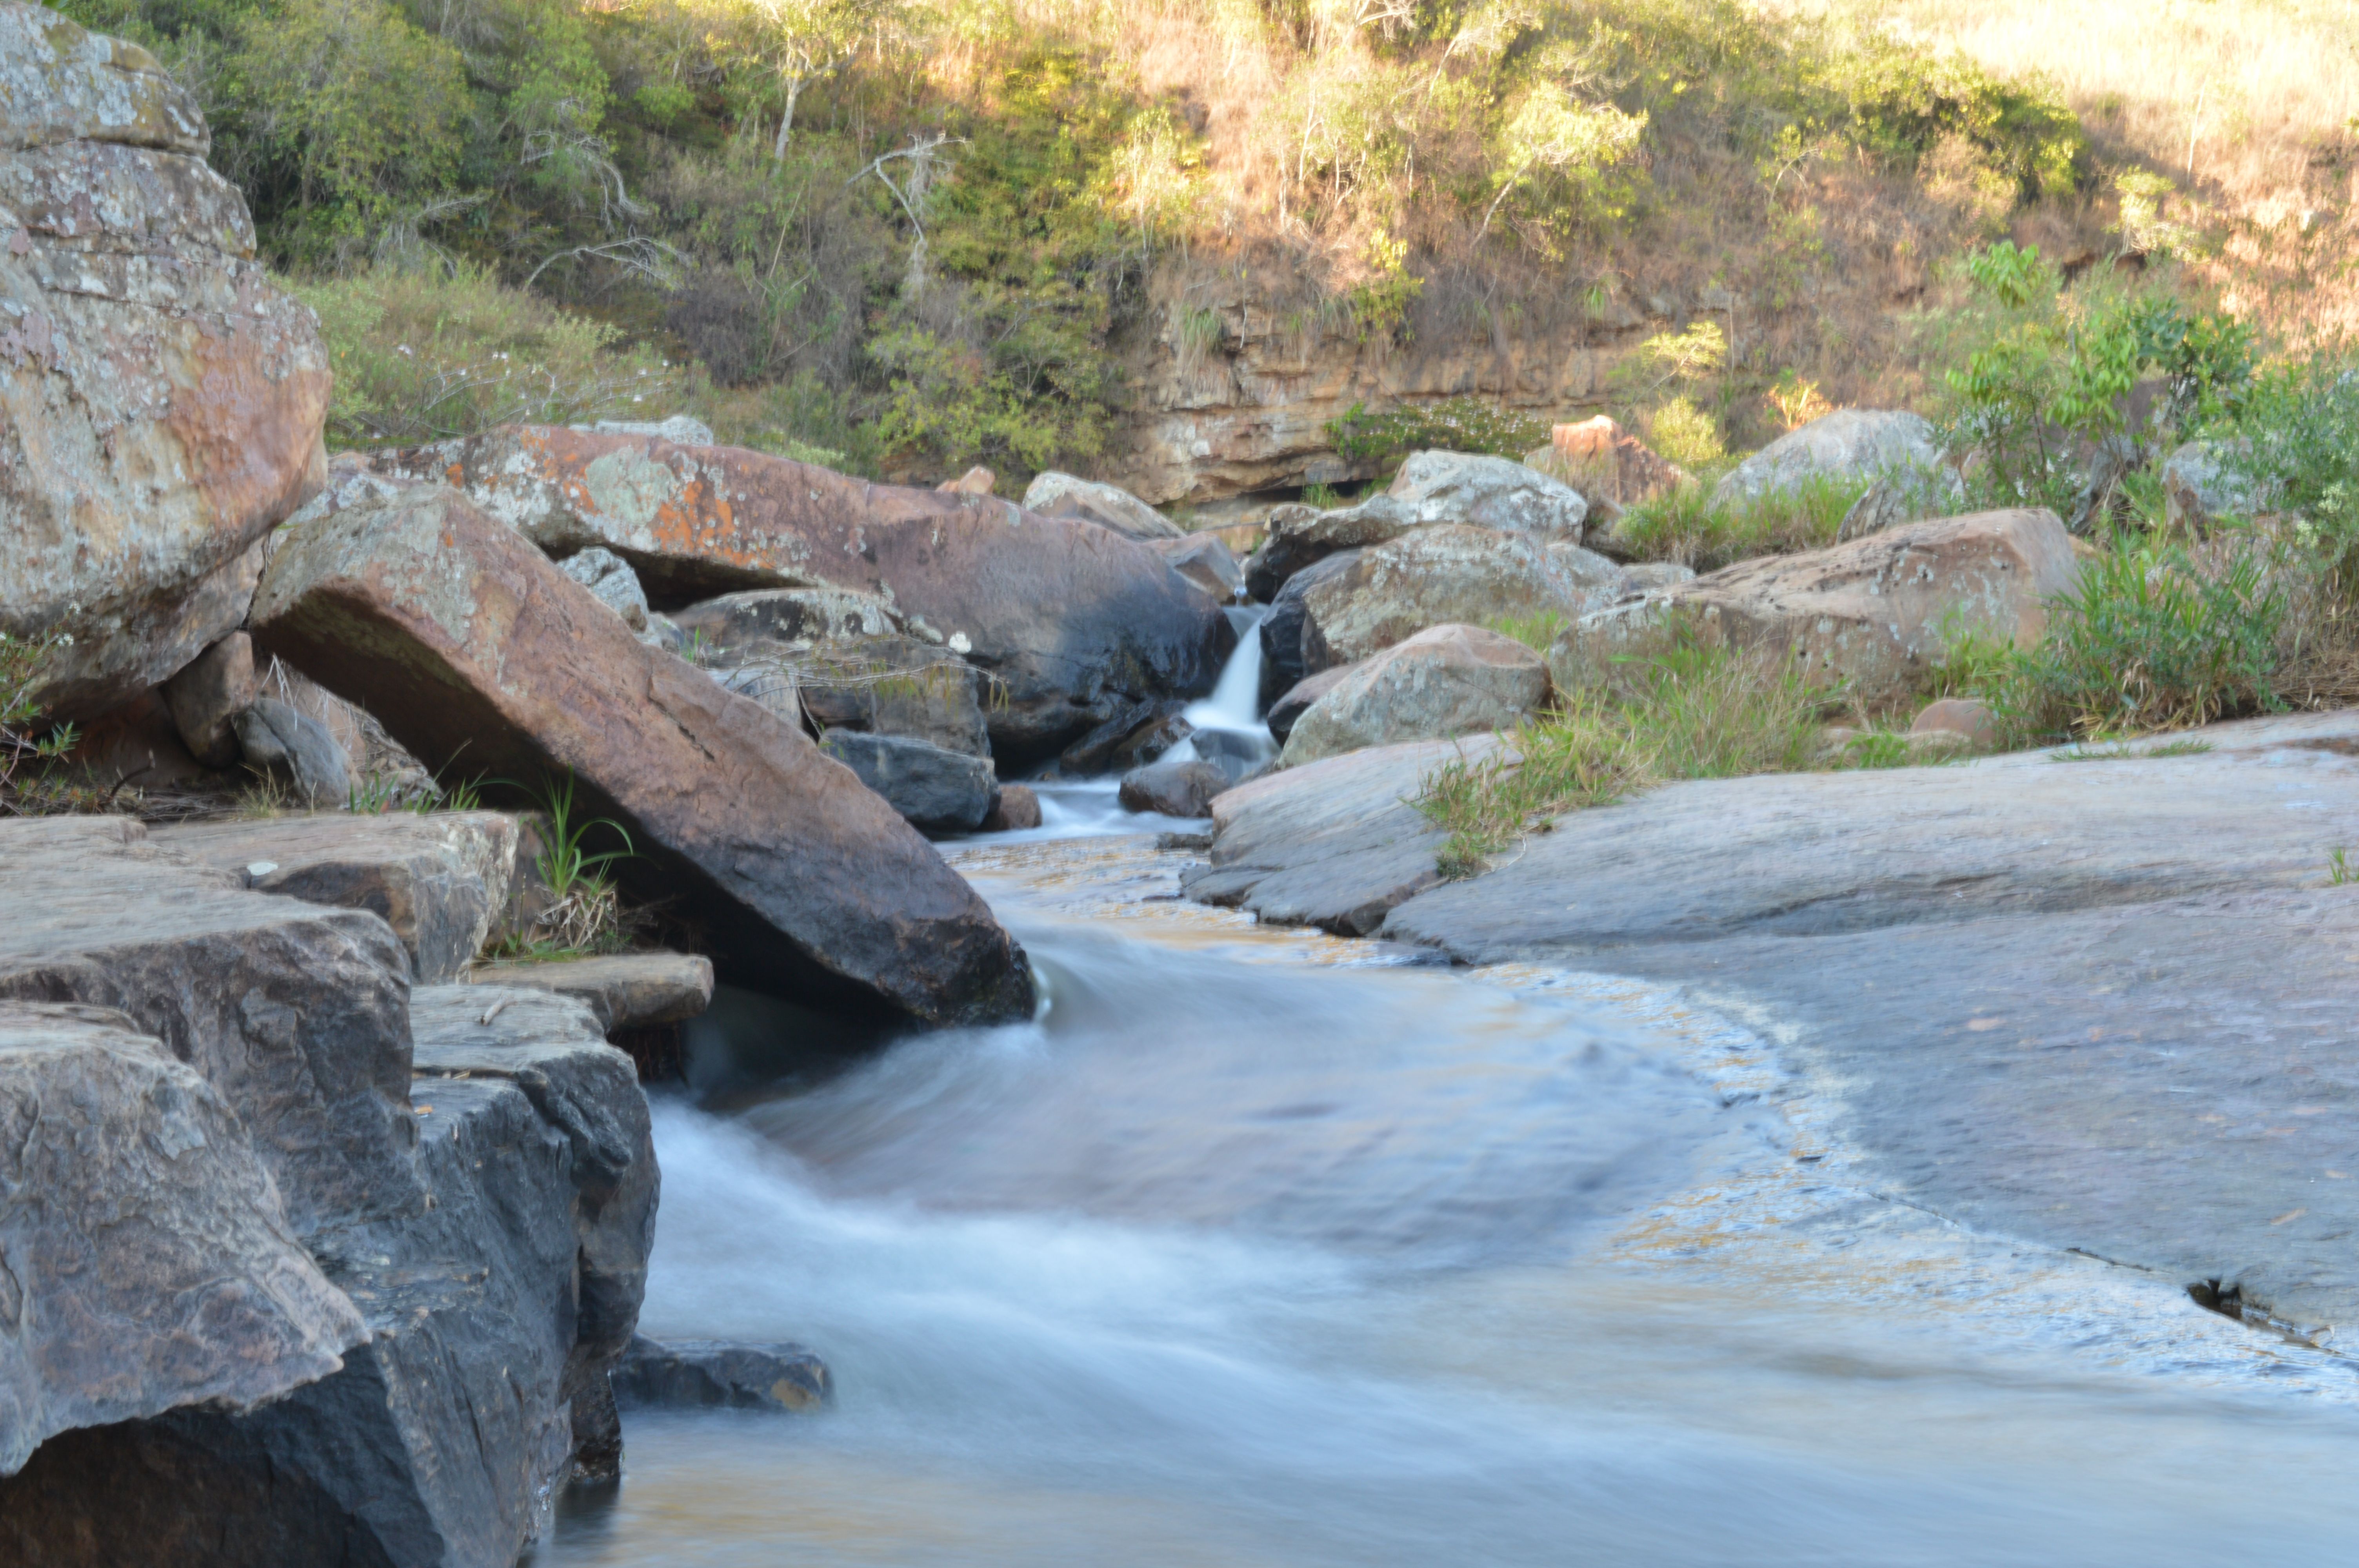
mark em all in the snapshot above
pixel 149 1264
pixel 1433 577
pixel 1610 467
pixel 160 401
pixel 622 991
pixel 2202 485
pixel 1282 663
pixel 1017 811
pixel 1074 621
pixel 935 790
pixel 1054 495
pixel 1295 701
pixel 473 1241
pixel 1874 613
pixel 1204 561
pixel 441 882
pixel 843 661
pixel 466 642
pixel 1989 966
pixel 1444 682
pixel 1848 444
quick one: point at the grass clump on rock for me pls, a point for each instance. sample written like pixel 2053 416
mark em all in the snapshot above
pixel 1688 526
pixel 1687 711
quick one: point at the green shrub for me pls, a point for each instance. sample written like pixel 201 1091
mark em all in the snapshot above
pixel 23 665
pixel 427 355
pixel 1454 425
pixel 1535 631
pixel 1686 434
pixel 1685 711
pixel 1686 526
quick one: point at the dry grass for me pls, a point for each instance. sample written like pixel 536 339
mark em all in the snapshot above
pixel 2250 106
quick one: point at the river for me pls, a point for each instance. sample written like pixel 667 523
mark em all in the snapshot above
pixel 1262 1248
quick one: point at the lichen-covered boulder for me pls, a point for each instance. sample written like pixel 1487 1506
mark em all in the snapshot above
pixel 1433 577
pixel 160 402
pixel 1444 682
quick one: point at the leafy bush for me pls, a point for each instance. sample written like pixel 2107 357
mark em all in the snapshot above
pixel 426 355
pixel 1685 525
pixel 24 663
pixel 1690 712
pixel 1686 434
pixel 1456 425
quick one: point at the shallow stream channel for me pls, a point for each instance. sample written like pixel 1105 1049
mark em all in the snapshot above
pixel 1265 1247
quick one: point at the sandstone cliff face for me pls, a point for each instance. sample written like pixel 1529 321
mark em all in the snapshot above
pixel 160 403
pixel 1233 384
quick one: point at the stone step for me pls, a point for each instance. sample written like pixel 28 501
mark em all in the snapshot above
pixel 624 991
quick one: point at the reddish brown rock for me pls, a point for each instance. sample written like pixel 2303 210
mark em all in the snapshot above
pixel 1075 621
pixel 471 647
pixel 1610 467
pixel 160 402
pixel 1874 613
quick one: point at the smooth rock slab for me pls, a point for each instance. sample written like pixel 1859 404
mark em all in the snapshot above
pixel 469 646
pixel 703 1374
pixel 440 880
pixel 623 990
pixel 145 1259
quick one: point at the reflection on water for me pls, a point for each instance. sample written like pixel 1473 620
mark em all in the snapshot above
pixel 1239 1259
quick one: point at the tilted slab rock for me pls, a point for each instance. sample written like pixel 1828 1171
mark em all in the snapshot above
pixel 1874 613
pixel 1054 495
pixel 145 1260
pixel 1432 577
pixel 622 991
pixel 296 1014
pixel 466 643
pixel 1073 618
pixel 440 880
pixel 494 1307
pixel 2097 1004
pixel 160 401
pixel 1445 682
pixel 1334 844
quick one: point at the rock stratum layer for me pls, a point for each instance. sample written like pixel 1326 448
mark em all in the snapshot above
pixel 367 1315
pixel 2098 1004
pixel 160 402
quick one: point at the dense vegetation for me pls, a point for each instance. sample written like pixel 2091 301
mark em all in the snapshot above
pixel 904 232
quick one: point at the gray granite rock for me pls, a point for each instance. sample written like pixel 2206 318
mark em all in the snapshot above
pixel 278 736
pixel 699 1374
pixel 623 990
pixel 935 789
pixel 611 581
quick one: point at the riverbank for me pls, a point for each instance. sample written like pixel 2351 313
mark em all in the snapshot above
pixel 1271 1247
pixel 2088 998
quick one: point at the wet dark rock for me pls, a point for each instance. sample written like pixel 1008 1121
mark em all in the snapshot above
pixel 1174 789
pixel 1282 663
pixel 284 740
pixel 1149 741
pixel 936 790
pixel 1096 751
pixel 700 1374
pixel 440 880
pixel 1016 810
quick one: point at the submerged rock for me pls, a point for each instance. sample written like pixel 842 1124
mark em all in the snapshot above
pixel 467 643
pixel 160 398
pixel 1017 810
pixel 702 1374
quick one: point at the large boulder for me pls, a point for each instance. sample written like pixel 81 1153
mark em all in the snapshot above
pixel 1074 621
pixel 1444 682
pixel 1433 577
pixel 1874 613
pixel 1281 629
pixel 208 695
pixel 847 660
pixel 2203 483
pixel 1295 701
pixel 935 790
pixel 1204 561
pixel 1054 495
pixel 1484 492
pixel 1298 537
pixel 1861 444
pixel 470 646
pixel 160 401
pixel 1174 788
pixel 150 1264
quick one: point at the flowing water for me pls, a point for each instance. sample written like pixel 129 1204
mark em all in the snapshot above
pixel 1260 1248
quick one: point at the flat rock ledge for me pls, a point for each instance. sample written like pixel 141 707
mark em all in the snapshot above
pixel 317 1267
pixel 2095 998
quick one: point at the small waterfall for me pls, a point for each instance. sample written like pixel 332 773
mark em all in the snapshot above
pixel 1233 710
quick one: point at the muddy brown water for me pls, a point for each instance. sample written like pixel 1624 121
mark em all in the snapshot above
pixel 1261 1247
